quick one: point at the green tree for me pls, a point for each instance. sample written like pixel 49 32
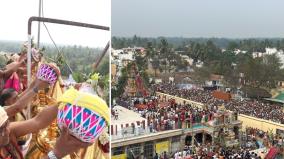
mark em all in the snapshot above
pixel 150 50
pixel 194 51
pixel 164 52
pixel 271 71
pixel 232 46
pixel 77 76
pixel 103 68
pixel 156 65
pixel 118 90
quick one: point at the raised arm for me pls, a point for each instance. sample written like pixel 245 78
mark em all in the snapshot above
pixel 66 144
pixel 42 120
pixel 28 95
pixel 12 67
pixel 20 104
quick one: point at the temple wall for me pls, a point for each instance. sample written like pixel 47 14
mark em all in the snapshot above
pixel 264 125
pixel 248 121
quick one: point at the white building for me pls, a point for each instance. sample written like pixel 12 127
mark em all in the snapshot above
pixel 238 51
pixel 199 64
pixel 115 53
pixel 257 54
pixel 271 51
pixel 215 80
pixel 120 58
pixel 187 59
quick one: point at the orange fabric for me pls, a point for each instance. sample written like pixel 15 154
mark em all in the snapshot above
pixel 141 106
pixel 222 95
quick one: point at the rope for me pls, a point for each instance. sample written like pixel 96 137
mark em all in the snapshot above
pixel 59 52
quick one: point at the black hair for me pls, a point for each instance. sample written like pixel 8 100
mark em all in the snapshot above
pixel 6 94
pixel 9 61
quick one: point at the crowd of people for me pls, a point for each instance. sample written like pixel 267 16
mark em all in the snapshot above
pixel 169 115
pixel 15 94
pixel 255 108
pixel 215 152
pixel 266 139
pixel 245 151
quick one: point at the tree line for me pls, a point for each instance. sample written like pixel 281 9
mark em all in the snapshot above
pixel 251 44
pixel 79 58
pixel 163 56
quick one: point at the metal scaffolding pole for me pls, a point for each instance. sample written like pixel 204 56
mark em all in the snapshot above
pixel 38 31
pixel 57 21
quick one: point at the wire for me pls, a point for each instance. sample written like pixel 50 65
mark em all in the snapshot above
pixel 59 51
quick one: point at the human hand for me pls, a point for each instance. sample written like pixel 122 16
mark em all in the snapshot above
pixel 67 144
pixel 40 84
pixel 77 86
pixel 22 60
pixel 105 147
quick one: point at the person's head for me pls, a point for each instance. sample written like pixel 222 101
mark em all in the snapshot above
pixel 4 132
pixel 8 97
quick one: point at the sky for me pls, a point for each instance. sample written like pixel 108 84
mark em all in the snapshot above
pixel 198 18
pixel 14 15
